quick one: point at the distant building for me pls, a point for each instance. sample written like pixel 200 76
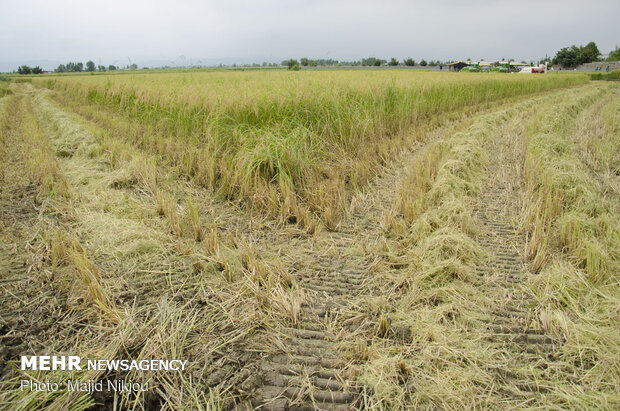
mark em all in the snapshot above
pixel 456 66
pixel 486 65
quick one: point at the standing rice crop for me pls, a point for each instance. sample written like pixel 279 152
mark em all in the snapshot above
pixel 309 133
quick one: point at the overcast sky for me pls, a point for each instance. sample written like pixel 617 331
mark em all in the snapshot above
pixel 156 30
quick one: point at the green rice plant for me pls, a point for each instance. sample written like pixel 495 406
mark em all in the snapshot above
pixel 237 131
pixel 238 293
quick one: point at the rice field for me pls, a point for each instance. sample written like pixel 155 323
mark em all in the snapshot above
pixel 333 240
pixel 306 136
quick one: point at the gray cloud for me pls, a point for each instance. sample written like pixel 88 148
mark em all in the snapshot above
pixel 273 29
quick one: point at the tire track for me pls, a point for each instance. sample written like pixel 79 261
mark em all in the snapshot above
pixel 516 326
pixel 309 372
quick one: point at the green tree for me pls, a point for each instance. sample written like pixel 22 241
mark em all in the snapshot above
pixel 292 64
pixel 409 61
pixel 24 70
pixel 111 67
pixel 588 53
pixel 37 70
pixel 101 68
pixel 573 56
pixel 372 61
pixel 423 62
pixel 305 61
pixel 61 68
pixel 90 65
pixel 614 55
pixel 393 62
pixel 566 57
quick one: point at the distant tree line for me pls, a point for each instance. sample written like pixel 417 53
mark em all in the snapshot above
pixel 293 64
pixel 306 62
pixel 78 67
pixel 70 68
pixel 568 57
pixel 75 67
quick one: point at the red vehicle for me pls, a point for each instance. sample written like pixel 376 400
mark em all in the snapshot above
pixel 539 69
